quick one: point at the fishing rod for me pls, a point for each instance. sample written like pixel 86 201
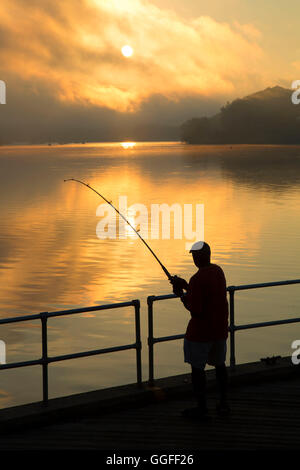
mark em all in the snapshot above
pixel 171 278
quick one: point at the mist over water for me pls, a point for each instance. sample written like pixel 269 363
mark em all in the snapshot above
pixel 51 257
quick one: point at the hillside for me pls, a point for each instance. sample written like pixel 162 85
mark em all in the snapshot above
pixel 265 117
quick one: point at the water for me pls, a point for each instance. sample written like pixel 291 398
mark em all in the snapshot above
pixel 51 258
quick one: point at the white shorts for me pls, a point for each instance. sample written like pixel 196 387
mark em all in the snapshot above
pixel 198 354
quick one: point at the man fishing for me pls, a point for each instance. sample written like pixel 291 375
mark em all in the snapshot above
pixel 207 330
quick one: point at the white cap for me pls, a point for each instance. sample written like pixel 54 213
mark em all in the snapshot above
pixel 197 246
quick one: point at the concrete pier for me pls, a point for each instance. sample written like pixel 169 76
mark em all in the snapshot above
pixel 265 401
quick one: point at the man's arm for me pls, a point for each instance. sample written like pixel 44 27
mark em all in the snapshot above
pixel 179 285
pixel 194 297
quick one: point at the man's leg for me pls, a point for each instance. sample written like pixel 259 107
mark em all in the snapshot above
pixel 196 353
pixel 222 382
pixel 199 386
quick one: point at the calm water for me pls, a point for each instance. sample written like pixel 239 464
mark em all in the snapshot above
pixel 51 258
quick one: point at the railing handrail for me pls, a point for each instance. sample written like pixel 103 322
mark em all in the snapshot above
pixel 263 284
pixel 38 316
pixel 154 298
pixel 232 327
pixel 43 316
pixel 45 359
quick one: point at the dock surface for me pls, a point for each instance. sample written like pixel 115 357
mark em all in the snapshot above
pixel 264 416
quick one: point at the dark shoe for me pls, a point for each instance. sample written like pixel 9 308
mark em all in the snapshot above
pixel 196 414
pixel 223 409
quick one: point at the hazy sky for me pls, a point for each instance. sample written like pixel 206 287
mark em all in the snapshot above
pixel 188 57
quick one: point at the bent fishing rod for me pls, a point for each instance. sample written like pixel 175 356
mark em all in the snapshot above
pixel 124 218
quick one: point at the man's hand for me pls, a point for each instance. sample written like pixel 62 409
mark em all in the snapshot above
pixel 178 285
pixel 177 281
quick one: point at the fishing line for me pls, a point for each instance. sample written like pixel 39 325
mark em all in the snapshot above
pixel 124 218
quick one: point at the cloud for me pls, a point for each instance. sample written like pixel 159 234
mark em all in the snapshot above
pixel 249 30
pixel 74 49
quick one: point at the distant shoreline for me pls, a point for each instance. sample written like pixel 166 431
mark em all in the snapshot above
pixel 139 143
pixel 113 142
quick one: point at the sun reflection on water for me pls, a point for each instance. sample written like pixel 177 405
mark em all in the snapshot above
pixel 128 145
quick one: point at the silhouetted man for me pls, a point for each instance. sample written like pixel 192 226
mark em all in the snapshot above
pixel 207 331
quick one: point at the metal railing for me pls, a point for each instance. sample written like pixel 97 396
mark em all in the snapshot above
pixel 45 359
pixel 232 326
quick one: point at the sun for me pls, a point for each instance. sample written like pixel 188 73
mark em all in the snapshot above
pixel 127 51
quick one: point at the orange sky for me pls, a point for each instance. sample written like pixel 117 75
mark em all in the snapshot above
pixel 74 49
pixel 68 81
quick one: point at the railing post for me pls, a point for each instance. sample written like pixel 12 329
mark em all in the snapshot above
pixel 136 304
pixel 150 340
pixel 231 290
pixel 45 357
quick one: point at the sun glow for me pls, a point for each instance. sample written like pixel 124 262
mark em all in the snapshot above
pixel 128 145
pixel 127 51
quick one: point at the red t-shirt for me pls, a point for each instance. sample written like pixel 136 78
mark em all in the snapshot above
pixel 207 301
